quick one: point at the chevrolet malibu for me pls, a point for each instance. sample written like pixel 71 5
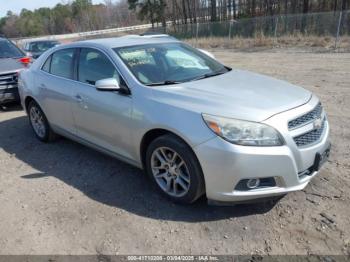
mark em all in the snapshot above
pixel 194 125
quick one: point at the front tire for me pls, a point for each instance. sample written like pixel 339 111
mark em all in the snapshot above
pixel 174 169
pixel 39 123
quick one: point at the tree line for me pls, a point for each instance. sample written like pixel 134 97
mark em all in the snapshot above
pixel 75 16
pixel 82 15
pixel 193 11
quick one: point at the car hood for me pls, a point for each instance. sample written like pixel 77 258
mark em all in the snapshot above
pixel 9 65
pixel 237 94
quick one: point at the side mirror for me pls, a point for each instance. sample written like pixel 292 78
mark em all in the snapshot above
pixel 109 84
pixel 207 53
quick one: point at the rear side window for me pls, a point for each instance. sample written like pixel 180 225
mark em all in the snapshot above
pixel 46 66
pixel 94 66
pixel 62 63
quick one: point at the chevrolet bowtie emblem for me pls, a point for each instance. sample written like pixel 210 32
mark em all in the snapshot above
pixel 318 123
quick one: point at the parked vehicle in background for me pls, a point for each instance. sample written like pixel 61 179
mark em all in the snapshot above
pixel 35 49
pixel 12 60
pixel 196 126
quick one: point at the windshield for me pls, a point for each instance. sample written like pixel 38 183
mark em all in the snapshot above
pixel 170 63
pixel 41 46
pixel 9 50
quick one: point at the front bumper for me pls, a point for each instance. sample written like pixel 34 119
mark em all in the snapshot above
pixel 8 95
pixel 224 165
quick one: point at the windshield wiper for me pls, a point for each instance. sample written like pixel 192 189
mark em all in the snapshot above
pixel 166 82
pixel 207 75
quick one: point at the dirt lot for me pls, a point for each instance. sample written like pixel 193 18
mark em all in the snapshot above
pixel 64 198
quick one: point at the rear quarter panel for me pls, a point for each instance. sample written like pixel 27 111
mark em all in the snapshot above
pixel 26 85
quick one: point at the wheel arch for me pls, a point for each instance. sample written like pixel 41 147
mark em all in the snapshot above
pixel 153 134
pixel 27 101
pixel 30 98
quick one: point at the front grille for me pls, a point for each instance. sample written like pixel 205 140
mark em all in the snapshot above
pixel 307 118
pixel 8 79
pixel 310 137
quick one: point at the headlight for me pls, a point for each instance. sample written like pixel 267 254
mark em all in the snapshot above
pixel 243 132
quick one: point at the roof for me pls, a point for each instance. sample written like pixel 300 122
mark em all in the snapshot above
pixel 42 41
pixel 131 40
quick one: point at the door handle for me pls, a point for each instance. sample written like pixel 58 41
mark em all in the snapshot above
pixel 78 98
pixel 42 86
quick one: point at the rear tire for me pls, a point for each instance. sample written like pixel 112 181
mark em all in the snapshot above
pixel 39 123
pixel 174 169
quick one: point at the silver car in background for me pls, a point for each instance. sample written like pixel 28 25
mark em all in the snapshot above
pixel 34 49
pixel 194 125
pixel 12 60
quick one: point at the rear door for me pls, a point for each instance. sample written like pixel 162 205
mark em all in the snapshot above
pixel 56 85
pixel 101 117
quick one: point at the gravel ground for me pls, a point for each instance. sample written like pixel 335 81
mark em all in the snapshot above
pixel 64 198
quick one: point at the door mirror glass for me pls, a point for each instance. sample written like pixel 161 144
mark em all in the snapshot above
pixel 108 84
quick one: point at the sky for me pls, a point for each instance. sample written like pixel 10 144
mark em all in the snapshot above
pixel 17 5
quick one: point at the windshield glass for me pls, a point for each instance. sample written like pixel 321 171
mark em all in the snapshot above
pixel 9 50
pixel 168 63
pixel 41 46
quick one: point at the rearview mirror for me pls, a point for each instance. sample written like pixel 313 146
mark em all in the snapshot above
pixel 108 84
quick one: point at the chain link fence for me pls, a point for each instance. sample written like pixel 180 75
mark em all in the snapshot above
pixel 332 24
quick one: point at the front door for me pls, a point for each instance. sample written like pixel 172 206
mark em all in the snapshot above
pixel 101 117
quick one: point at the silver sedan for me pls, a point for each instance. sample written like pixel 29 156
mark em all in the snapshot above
pixel 194 125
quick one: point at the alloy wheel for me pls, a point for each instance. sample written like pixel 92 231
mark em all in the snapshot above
pixel 37 120
pixel 170 171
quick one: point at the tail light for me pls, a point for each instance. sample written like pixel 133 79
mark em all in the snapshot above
pixel 25 60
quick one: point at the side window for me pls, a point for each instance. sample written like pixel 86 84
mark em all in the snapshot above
pixel 46 66
pixel 62 63
pixel 94 66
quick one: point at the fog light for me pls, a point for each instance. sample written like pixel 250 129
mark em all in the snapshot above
pixel 253 183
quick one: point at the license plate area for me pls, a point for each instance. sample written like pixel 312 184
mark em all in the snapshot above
pixel 321 158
